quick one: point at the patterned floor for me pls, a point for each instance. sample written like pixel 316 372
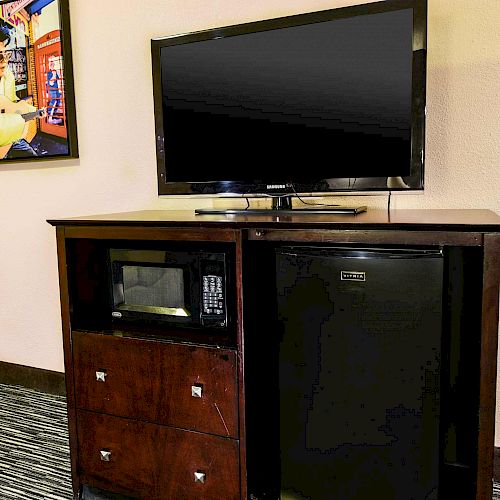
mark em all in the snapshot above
pixel 34 451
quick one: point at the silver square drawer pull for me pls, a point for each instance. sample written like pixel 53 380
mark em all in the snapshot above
pixel 199 477
pixel 100 376
pixel 196 390
pixel 105 455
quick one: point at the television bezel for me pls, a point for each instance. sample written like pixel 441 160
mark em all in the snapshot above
pixel 230 188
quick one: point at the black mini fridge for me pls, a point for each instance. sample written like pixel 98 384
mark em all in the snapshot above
pixel 359 372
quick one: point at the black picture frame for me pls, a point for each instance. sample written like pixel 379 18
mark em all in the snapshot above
pixel 40 73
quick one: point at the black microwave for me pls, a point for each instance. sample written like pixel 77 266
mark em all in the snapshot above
pixel 184 288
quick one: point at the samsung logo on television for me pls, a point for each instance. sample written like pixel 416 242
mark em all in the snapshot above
pixel 352 275
pixel 276 186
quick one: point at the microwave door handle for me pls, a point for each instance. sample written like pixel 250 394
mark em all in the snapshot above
pixel 169 311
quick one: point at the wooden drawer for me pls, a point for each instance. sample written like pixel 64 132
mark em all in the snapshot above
pixel 184 386
pixel 155 462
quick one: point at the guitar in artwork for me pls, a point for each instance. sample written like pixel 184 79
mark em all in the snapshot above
pixel 25 110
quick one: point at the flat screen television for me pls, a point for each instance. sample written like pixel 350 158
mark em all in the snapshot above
pixel 318 103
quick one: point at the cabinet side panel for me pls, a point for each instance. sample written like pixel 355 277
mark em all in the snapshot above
pixel 68 356
pixel 240 363
pixel 489 341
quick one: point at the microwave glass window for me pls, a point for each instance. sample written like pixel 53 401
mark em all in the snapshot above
pixel 154 289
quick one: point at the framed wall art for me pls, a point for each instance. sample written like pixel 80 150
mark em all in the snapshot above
pixel 37 103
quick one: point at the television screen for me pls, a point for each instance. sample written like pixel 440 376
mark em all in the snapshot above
pixel 314 103
pixel 37 119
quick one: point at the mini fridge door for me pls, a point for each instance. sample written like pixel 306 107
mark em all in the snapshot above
pixel 359 370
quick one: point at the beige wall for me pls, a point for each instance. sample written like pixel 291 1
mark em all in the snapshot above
pixel 116 169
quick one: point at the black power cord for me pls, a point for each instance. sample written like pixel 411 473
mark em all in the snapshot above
pixel 311 204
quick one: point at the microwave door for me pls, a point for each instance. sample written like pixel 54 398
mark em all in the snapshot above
pixel 158 290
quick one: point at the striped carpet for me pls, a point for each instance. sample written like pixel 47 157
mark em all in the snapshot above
pixel 34 450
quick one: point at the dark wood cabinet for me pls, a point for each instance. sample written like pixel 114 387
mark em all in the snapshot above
pixel 157 411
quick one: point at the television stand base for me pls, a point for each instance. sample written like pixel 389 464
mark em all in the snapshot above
pixel 288 211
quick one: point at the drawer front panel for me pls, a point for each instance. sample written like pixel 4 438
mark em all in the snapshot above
pixel 156 462
pixel 184 386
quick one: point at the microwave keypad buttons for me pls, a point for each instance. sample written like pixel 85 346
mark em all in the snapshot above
pixel 213 297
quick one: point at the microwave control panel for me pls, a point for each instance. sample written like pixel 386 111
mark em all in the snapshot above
pixel 213 292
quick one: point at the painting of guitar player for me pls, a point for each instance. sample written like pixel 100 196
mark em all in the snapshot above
pixel 37 110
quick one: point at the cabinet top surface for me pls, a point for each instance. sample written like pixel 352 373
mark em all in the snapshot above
pixel 475 220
